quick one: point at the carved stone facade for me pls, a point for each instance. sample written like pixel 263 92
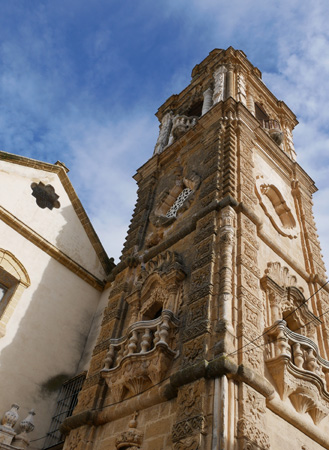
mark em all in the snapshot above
pixel 216 320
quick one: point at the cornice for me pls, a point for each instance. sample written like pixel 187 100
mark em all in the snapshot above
pixel 50 249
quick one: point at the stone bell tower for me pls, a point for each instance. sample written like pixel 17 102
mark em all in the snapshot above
pixel 215 334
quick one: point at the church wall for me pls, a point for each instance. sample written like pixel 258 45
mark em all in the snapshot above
pixel 46 334
pixel 61 226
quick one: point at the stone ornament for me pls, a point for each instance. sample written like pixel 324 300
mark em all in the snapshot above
pixel 242 90
pixel 132 438
pixel 8 435
pixel 10 417
pixel 219 84
pixel 276 208
pixel 45 195
pixel 164 132
pixel 192 443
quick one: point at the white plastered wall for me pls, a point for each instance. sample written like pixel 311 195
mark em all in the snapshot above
pixel 47 333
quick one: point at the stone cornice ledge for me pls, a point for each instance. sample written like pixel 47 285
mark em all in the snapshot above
pixel 50 249
pixel 218 367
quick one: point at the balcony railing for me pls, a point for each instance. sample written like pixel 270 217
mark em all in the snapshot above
pixel 298 370
pixel 181 124
pixel 141 357
pixel 274 129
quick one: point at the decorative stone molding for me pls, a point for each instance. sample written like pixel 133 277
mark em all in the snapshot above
pixel 276 208
pixel 142 357
pixel 186 428
pixel 298 370
pixel 242 89
pixel 280 274
pixel 219 84
pixel 192 443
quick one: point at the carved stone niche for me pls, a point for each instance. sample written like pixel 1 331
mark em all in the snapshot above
pixel 157 287
pixel 287 302
pixel 298 370
pixel 276 208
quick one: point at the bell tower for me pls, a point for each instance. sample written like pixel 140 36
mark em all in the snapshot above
pixel 215 333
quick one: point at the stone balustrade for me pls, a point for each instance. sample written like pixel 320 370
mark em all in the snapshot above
pixel 273 127
pixel 141 357
pixel 181 124
pixel 298 370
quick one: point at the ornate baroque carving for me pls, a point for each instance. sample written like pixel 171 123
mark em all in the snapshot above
pixel 189 399
pixel 188 427
pixel 193 351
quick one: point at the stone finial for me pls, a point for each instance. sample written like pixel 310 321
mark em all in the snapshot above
pixel 8 422
pixel 21 441
pixel 27 425
pixel 10 417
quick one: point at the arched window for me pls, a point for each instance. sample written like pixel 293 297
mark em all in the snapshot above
pixel 13 280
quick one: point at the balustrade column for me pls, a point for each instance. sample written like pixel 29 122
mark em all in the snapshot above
pixel 146 341
pixel 164 330
pixel 132 347
pixel 275 306
pixel 298 356
pixel 109 357
pixel 282 345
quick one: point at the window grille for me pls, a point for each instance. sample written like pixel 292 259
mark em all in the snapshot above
pixel 66 402
pixel 179 202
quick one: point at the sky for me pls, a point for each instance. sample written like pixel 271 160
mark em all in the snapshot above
pixel 81 80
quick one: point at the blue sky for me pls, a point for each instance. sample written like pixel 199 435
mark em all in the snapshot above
pixel 80 81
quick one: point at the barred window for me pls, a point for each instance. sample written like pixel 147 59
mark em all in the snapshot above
pixel 66 402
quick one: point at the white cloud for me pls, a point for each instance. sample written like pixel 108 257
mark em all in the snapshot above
pixel 104 157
